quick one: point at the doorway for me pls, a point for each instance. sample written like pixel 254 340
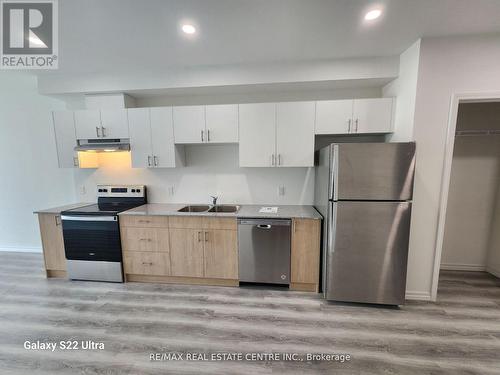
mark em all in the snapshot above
pixel 471 239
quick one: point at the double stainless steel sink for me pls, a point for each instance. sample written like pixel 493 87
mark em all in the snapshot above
pixel 220 208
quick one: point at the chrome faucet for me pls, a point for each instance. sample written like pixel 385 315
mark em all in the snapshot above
pixel 214 199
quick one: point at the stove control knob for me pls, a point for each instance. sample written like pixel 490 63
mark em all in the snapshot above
pixel 100 190
pixel 133 190
pixel 138 191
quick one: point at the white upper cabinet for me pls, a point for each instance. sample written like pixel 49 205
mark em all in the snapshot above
pixel 165 153
pixel 64 131
pixel 358 116
pixel 140 137
pixel 373 115
pixel 295 134
pixel 88 124
pixel 105 123
pixel 257 134
pixel 152 138
pixel 189 124
pixel 221 123
pixel 114 123
pixel 333 116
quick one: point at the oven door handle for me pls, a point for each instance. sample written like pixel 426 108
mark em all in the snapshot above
pixel 89 218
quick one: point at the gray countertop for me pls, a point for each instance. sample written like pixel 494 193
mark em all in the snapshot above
pixel 246 210
pixel 58 210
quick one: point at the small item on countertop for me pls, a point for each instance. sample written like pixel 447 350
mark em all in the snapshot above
pixel 269 210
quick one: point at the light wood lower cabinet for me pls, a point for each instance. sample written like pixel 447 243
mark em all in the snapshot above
pixel 221 254
pixel 305 254
pixel 145 239
pixel 186 255
pixel 146 263
pixel 53 244
pixel 204 250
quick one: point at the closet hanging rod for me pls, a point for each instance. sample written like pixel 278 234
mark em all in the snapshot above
pixel 466 133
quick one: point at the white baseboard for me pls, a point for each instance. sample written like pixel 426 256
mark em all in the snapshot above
pixel 462 267
pixel 418 296
pixel 493 271
pixel 24 249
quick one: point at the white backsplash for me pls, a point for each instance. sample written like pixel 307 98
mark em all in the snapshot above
pixel 209 170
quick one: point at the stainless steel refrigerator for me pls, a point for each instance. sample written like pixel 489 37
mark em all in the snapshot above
pixel 364 192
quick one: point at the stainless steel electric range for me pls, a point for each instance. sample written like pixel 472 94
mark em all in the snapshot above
pixel 92 233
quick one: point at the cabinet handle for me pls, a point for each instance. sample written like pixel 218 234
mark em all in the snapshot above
pixel 103 131
pixel 155 158
pixel 149 161
pixel 75 161
pixel 356 129
pixel 145 239
pixel 349 125
pixel 208 135
pixel 97 131
pixel 199 236
pixel 58 220
pixel 143 221
pixel 206 236
pixel 147 263
pixel 272 160
pixel 202 136
pixel 279 159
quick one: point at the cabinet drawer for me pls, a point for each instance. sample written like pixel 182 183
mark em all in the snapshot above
pixel 145 239
pixel 144 221
pixel 185 222
pixel 146 263
pixel 228 223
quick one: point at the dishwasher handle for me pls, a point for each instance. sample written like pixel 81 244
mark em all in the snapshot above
pixel 264 226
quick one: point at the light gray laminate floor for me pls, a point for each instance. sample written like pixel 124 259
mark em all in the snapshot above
pixel 460 334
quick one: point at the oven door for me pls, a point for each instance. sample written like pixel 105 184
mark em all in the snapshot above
pixel 93 248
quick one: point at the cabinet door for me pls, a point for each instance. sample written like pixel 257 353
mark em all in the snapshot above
pixel 373 115
pixel 64 131
pixel 162 132
pixel 295 134
pixel 52 241
pixel 257 134
pixel 333 116
pixel 88 124
pixel 222 123
pixel 305 252
pixel 186 252
pixel 140 138
pixel 189 124
pixel 114 123
pixel 221 254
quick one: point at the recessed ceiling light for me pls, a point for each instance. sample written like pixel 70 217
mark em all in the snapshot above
pixel 373 14
pixel 188 29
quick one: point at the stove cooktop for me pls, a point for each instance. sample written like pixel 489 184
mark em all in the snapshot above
pixel 99 209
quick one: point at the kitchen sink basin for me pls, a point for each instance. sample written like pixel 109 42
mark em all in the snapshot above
pixel 200 208
pixel 224 208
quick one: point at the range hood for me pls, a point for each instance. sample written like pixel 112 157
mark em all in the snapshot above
pixel 103 145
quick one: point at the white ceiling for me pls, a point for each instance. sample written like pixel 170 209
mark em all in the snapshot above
pixel 130 35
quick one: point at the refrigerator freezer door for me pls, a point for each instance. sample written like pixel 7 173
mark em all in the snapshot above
pixel 373 171
pixel 368 252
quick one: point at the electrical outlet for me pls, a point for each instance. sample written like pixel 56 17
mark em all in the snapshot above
pixel 83 190
pixel 171 190
pixel 281 190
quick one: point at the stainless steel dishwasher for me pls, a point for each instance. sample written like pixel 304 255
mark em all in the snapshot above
pixel 264 250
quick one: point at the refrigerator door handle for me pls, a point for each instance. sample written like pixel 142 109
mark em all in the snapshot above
pixel 334 172
pixel 330 245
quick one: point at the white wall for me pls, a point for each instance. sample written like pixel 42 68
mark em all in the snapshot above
pixel 404 88
pixel 210 170
pixel 447 66
pixel 493 260
pixel 28 162
pixel 471 202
